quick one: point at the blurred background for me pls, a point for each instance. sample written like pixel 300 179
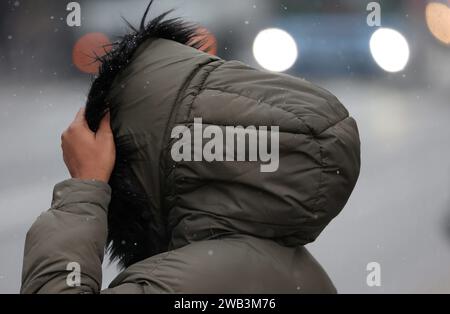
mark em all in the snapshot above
pixel 393 78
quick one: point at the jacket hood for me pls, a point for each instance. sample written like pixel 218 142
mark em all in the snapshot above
pixel 160 203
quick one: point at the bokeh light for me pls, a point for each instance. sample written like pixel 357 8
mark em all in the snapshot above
pixel 389 49
pixel 85 50
pixel 438 21
pixel 275 50
pixel 209 44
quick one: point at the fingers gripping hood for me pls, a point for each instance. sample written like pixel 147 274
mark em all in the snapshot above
pixel 142 100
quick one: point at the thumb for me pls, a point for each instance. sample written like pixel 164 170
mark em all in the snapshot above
pixel 105 125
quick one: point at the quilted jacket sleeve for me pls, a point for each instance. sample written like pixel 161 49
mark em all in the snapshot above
pixel 64 248
pixel 67 242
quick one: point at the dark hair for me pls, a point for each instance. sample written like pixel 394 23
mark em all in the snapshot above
pixel 132 235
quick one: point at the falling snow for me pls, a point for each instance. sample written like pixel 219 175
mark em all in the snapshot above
pixel 16 99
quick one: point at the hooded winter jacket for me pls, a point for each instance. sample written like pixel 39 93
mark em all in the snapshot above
pixel 201 226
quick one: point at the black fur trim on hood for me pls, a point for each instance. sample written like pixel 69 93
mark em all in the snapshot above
pixel 130 239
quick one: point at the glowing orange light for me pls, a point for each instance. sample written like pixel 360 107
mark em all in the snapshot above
pixel 85 50
pixel 438 21
pixel 209 41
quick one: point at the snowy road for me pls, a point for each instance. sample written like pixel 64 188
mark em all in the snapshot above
pixel 397 216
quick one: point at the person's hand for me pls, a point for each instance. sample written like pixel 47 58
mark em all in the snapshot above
pixel 89 155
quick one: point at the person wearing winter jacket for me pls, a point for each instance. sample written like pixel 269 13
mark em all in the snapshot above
pixel 177 220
